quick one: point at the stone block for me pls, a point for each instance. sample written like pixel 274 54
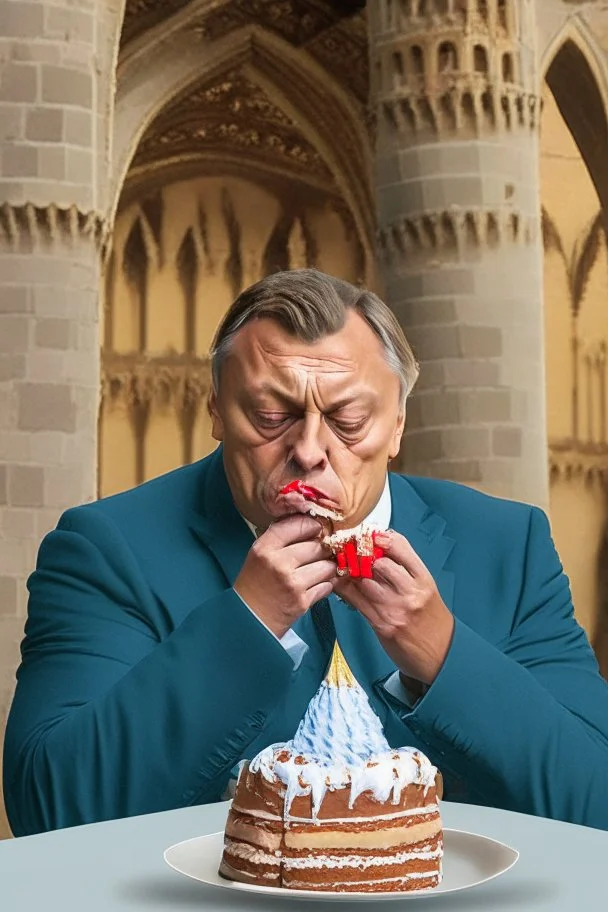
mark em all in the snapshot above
pixel 8 592
pixel 506 441
pixel 45 365
pixel 431 376
pixel 492 405
pixel 64 86
pixel 79 166
pixel 51 163
pixel 45 125
pixel 69 24
pixel 12 367
pixel 420 446
pixel 480 341
pixel 78 128
pixel 15 299
pixel 63 487
pixel 18 83
pixel 465 471
pixel 54 333
pixel 46 407
pixel 442 283
pixel 432 342
pixel 11 122
pixel 25 486
pixel 465 442
pixel 439 408
pixel 14 333
pixel 19 160
pixel 467 372
pixel 21 20
pixel 19 523
pixel 431 311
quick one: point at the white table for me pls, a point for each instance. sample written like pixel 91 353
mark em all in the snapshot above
pixel 118 867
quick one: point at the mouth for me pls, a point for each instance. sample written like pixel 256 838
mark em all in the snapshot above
pixel 303 498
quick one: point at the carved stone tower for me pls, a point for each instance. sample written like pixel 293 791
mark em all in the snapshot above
pixel 456 104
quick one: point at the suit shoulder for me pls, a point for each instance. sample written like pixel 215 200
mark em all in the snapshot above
pixel 458 502
pixel 165 497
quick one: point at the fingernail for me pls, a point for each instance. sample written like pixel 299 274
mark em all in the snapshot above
pixel 383 539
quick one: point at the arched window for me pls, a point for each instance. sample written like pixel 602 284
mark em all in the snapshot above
pixel 482 9
pixel 502 14
pixel 447 57
pixel 480 59
pixel 507 68
pixel 417 56
pixel 398 71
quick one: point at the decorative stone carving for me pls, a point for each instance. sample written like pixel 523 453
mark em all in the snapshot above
pixel 452 234
pixel 227 117
pixel 446 68
pixel 24 227
pixel 137 379
pixel 141 15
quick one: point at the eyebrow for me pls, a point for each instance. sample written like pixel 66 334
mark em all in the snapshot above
pixel 267 388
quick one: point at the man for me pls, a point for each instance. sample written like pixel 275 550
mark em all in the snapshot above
pixel 178 628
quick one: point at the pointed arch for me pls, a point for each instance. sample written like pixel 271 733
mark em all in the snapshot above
pixel 296 83
pixel 575 70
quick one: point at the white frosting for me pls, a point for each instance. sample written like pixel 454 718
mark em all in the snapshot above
pixel 362 862
pixel 340 742
pixel 251 853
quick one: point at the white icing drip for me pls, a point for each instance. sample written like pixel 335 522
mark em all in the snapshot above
pixel 362 862
pixel 251 853
pixel 389 772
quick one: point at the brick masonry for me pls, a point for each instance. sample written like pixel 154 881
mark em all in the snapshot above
pixel 462 261
pixel 56 84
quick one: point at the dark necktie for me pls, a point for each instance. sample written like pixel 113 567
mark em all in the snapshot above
pixel 320 613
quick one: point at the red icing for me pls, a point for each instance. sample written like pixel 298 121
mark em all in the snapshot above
pixel 303 489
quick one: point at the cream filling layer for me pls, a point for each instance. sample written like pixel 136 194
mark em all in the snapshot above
pixel 366 839
pixel 256 856
pixel 323 821
pixel 254 834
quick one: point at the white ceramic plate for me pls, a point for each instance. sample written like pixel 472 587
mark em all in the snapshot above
pixel 469 860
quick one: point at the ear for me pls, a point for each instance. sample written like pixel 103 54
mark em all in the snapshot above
pixel 397 434
pixel 217 425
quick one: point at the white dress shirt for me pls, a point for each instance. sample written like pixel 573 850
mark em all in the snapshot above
pixel 295 646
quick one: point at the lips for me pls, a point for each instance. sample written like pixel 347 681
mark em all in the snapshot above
pixel 305 490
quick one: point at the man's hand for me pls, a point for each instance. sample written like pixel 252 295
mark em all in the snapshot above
pixel 404 608
pixel 286 571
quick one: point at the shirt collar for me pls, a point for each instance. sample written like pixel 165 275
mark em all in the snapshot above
pixel 379 516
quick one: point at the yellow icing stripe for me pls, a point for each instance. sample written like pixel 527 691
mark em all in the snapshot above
pixel 338 673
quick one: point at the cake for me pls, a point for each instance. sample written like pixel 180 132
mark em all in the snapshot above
pixel 336 808
pixel 355 550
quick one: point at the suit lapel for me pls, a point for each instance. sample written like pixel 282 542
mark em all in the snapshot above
pixel 217 523
pixel 425 531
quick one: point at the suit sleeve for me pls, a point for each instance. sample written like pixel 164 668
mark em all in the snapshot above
pixel 114 716
pixel 526 721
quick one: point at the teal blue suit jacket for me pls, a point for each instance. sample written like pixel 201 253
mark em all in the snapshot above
pixel 144 678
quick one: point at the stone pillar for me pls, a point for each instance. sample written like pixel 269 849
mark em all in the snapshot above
pixel 456 98
pixel 56 74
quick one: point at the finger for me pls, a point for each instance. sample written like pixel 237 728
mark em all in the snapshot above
pixel 398 548
pixel 301 553
pixel 320 591
pixel 392 574
pixel 313 574
pixel 295 528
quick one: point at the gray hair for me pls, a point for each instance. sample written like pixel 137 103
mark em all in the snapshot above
pixel 310 305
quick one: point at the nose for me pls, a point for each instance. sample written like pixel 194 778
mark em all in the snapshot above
pixel 308 449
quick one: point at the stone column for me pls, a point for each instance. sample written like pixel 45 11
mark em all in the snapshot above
pixel 456 97
pixel 56 73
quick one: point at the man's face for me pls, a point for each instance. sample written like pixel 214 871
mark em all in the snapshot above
pixel 327 413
